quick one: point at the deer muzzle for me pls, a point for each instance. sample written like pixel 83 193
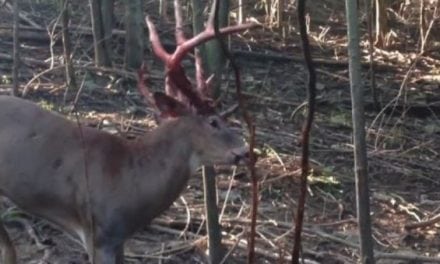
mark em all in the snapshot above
pixel 241 155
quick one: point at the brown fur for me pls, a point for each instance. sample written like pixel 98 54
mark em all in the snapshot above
pixel 47 163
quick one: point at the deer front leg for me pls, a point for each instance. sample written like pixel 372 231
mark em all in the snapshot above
pixel 105 255
pixel 8 255
pixel 105 252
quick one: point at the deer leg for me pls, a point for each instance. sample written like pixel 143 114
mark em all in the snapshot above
pixel 108 255
pixel 8 255
pixel 100 253
pixel 120 254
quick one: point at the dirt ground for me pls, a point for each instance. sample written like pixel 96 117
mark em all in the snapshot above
pixel 403 140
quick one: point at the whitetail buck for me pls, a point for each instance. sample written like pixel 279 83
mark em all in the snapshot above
pixel 100 187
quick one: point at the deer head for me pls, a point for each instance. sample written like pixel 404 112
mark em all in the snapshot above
pixel 180 98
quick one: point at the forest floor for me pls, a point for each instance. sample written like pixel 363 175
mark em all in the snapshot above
pixel 403 140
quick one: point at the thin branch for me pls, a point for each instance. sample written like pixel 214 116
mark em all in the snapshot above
pixel 311 94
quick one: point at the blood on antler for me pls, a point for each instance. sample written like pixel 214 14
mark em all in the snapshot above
pixel 177 84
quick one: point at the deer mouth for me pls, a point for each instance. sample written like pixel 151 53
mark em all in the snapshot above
pixel 241 156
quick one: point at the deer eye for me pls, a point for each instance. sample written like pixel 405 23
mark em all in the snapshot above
pixel 214 123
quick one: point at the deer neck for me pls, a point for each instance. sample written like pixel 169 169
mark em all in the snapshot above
pixel 167 161
pixel 172 144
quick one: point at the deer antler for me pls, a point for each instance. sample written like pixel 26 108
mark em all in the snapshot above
pixel 177 84
pixel 146 93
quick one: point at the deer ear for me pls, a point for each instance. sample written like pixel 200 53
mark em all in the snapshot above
pixel 168 106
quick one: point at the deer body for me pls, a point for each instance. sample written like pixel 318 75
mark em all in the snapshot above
pixel 55 169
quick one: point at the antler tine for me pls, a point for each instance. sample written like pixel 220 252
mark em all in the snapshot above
pixel 186 45
pixel 180 35
pixel 158 49
pixel 178 82
pixel 141 85
pixel 206 35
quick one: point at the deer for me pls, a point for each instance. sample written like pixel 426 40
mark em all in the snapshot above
pixel 99 187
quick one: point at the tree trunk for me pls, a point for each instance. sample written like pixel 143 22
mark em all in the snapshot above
pixel 215 59
pixel 241 11
pixel 67 51
pixel 358 119
pixel 102 13
pixel 216 250
pixel 134 38
pixel 382 27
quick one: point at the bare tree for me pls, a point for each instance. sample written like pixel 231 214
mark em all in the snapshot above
pixel 305 133
pixel 382 26
pixel 134 38
pixel 369 13
pixel 216 59
pixel 67 50
pixel 241 11
pixel 215 247
pixel 360 151
pixel 216 250
pixel 102 24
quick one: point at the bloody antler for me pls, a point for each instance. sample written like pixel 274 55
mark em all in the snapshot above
pixel 177 84
pixel 141 84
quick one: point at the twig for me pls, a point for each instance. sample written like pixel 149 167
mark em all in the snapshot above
pixel 225 202
pixel 188 217
pixel 176 247
pixel 26 87
pixel 435 219
pixel 333 238
pixel 232 249
pixel 172 231
pixel 297 109
pixel 311 94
